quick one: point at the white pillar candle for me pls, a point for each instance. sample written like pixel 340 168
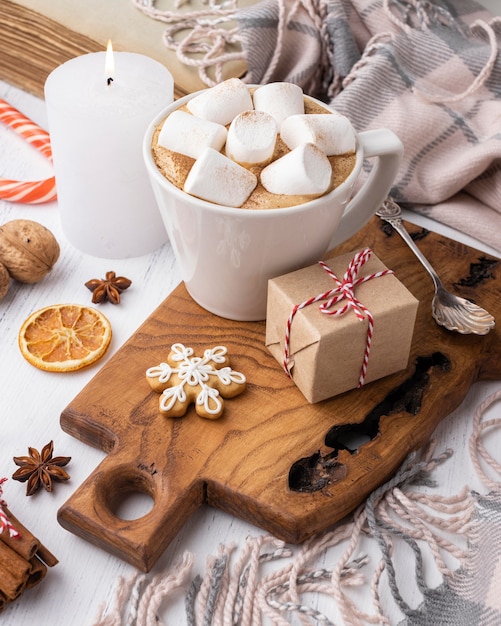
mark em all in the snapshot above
pixel 97 118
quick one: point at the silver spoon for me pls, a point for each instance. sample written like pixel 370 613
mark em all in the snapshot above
pixel 448 310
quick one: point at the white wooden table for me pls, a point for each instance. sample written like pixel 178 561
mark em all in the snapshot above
pixel 31 402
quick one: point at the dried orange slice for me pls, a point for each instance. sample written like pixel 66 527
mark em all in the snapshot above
pixel 64 337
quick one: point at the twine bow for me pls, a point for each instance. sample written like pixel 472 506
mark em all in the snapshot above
pixel 29 192
pixel 5 523
pixel 344 290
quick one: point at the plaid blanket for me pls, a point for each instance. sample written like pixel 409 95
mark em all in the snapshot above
pixel 429 70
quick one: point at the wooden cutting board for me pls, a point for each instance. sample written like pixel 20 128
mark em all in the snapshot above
pixel 274 460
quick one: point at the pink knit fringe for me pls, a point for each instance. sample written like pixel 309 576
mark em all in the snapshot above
pixel 235 589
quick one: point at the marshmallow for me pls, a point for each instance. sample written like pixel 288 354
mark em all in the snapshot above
pixel 302 171
pixel 221 103
pixel 184 133
pixel 218 179
pixel 333 134
pixel 251 138
pixel 280 100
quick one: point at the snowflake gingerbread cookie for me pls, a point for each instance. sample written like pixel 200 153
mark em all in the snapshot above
pixel 204 381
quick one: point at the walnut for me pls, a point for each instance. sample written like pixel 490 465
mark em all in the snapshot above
pixel 28 251
pixel 4 281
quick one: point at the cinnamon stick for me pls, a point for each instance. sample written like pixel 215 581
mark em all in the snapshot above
pixel 26 544
pixel 23 559
pixel 14 572
pixel 37 572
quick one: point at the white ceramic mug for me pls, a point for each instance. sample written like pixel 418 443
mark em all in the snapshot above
pixel 227 255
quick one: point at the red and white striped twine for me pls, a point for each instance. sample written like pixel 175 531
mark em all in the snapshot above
pixel 344 290
pixel 29 192
pixel 5 523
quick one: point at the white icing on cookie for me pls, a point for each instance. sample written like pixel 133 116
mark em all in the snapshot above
pixel 185 378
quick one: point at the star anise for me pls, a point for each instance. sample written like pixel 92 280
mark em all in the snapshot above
pixel 108 288
pixel 40 468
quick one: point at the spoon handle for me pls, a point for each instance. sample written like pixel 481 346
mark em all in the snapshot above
pixel 390 212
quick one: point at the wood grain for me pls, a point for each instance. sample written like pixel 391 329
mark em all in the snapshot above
pixel 32 45
pixel 242 462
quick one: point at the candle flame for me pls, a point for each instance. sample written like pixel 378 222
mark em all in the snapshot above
pixel 109 64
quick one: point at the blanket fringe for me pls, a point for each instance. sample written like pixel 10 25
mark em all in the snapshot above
pixel 480 457
pixel 137 599
pixel 235 589
pixel 199 38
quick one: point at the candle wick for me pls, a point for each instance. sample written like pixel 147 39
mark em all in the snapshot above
pixel 109 81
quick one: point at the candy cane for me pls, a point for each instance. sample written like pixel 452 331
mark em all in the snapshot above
pixel 5 523
pixel 30 192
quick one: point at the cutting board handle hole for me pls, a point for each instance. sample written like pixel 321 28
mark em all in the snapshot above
pixel 126 494
pixel 132 506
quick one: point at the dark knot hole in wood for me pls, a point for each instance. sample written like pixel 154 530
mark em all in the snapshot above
pixel 317 471
pixel 126 493
pixel 480 272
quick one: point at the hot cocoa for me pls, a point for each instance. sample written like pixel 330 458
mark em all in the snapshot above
pixel 176 166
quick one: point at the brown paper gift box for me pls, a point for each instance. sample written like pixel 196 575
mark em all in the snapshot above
pixel 327 351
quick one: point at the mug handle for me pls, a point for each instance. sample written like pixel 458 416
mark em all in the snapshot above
pixel 387 147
